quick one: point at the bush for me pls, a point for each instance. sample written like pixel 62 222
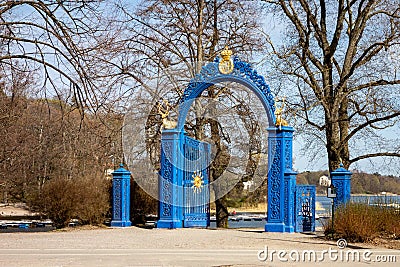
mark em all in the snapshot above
pixel 359 222
pixel 65 199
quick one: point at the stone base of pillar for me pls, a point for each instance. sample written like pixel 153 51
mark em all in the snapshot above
pixel 289 229
pixel 169 224
pixel 121 223
pixel 275 227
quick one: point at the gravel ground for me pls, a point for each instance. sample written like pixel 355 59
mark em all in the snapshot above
pixel 159 247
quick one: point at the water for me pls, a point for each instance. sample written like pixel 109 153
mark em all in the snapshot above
pixel 243 224
pixel 376 199
pixel 323 209
pixel 326 204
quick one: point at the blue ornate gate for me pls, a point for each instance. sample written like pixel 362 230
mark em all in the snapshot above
pixel 305 208
pixel 181 206
pixel 183 184
pixel 196 191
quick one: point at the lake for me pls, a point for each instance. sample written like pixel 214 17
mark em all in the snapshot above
pixel 323 208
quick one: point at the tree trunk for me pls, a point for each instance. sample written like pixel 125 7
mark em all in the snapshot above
pixel 217 167
pixel 332 140
pixel 221 212
pixel 344 130
pixel 336 132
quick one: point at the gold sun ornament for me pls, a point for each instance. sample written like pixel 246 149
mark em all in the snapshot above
pixel 197 181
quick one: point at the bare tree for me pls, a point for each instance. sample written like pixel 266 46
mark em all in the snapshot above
pixel 57 39
pixel 340 62
pixel 166 34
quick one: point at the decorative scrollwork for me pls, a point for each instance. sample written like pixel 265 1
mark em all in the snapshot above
pixel 305 208
pixel 286 206
pixel 275 181
pixel 339 193
pixel 202 217
pixel 288 155
pixel 243 71
pixel 117 199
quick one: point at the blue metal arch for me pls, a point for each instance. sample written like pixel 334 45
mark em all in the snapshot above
pixel 242 74
pixel 281 178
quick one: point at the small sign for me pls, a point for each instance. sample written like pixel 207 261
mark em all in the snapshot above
pixel 331 191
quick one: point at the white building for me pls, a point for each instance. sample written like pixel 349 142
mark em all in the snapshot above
pixel 247 185
pixel 324 181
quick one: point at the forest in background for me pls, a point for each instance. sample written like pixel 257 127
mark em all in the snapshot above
pixel 70 69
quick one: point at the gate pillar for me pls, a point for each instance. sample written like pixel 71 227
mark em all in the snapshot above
pixel 121 197
pixel 289 206
pixel 341 179
pixel 170 180
pixel 280 190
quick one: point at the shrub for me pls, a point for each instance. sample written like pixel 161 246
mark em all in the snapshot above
pixel 359 222
pixel 58 201
pixel 65 199
pixel 95 202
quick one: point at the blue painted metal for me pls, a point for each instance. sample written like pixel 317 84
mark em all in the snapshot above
pixel 281 180
pixel 196 211
pixel 289 205
pixel 341 179
pixel 121 198
pixel 179 205
pixel 305 208
pixel 242 74
pixel 170 180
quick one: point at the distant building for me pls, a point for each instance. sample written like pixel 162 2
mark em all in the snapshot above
pixel 324 181
pixel 108 173
pixel 247 185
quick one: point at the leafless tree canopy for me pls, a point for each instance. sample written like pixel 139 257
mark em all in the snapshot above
pixel 340 61
pixel 50 152
pixel 182 35
pixel 55 41
pixel 77 65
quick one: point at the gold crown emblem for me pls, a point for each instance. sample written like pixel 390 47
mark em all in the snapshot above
pixel 226 64
pixel 226 53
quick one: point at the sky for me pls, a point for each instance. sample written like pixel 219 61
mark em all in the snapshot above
pixel 302 163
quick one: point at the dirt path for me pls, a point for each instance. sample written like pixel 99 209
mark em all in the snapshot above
pixel 181 247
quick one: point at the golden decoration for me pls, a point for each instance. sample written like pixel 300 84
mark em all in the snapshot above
pixel 226 64
pixel 197 181
pixel 278 113
pixel 164 112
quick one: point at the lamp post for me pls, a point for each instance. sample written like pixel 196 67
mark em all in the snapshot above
pixel 331 193
pixel 385 194
pixel 265 206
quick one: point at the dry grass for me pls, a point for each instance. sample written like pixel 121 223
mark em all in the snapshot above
pixel 359 222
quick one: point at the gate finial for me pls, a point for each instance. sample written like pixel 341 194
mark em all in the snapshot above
pixel 164 112
pixel 278 113
pixel 226 64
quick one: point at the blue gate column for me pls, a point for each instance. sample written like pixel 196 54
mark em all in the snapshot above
pixel 289 208
pixel 279 162
pixel 121 197
pixel 341 179
pixel 170 180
